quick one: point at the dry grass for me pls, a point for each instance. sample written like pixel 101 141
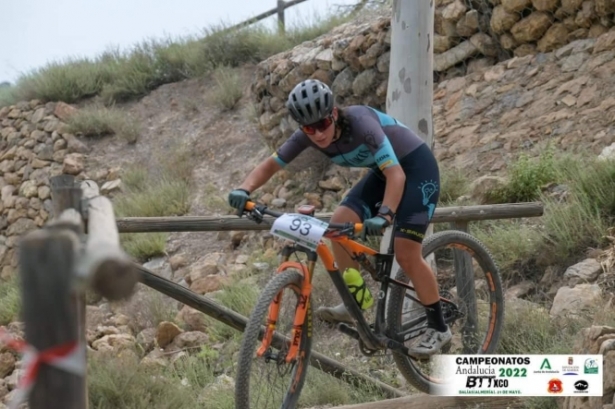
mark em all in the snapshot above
pixel 101 121
pixel 121 76
pixel 228 89
pixel 10 300
pixel 161 191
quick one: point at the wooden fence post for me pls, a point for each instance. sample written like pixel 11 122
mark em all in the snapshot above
pixel 281 24
pixel 53 316
pixel 104 266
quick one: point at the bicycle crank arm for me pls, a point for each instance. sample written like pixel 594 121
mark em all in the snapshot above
pixel 348 330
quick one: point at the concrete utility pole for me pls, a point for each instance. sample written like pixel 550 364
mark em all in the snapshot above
pixel 410 86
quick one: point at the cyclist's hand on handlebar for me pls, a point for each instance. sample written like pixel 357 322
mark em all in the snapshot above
pixel 374 226
pixel 238 199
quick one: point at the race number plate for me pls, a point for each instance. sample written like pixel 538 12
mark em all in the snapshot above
pixel 304 230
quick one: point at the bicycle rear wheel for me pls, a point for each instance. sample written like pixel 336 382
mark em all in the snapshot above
pixel 253 372
pixel 468 276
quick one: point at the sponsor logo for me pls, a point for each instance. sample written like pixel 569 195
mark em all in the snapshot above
pixel 581 385
pixel 545 367
pixel 555 386
pixel 590 366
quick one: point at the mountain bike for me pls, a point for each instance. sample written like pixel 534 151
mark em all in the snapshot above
pixel 266 348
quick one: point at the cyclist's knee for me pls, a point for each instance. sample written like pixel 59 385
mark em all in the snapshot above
pixel 343 214
pixel 407 251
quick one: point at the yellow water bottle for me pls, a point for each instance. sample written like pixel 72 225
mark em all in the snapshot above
pixel 358 288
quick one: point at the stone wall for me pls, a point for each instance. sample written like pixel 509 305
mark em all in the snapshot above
pixel 469 37
pixel 519 26
pixel 34 146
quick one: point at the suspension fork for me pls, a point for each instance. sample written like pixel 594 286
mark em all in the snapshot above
pixel 300 312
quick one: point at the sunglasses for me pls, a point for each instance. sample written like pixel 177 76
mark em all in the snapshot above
pixel 319 126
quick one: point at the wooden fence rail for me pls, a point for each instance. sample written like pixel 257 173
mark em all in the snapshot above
pixel 279 10
pixel 225 223
pixel 281 6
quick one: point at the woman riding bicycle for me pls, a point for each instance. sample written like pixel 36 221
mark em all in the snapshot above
pixel 403 182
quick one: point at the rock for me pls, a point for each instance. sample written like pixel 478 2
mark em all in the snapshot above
pixel 574 301
pixel 111 186
pixel 467 25
pixel 278 202
pixel 190 339
pixel 166 333
pixel 520 290
pixel 604 42
pixel 586 271
pixel 193 318
pixel 64 111
pixel 481 189
pixel 74 145
pixel 503 20
pixel 28 189
pixel 545 5
pixel 208 284
pixel 335 184
pixel 555 37
pixel 206 266
pixel 607 153
pixel 516 6
pixel 7 364
pixel 114 343
pixel 73 164
pixel 532 27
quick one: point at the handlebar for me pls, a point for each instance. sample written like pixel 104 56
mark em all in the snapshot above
pixel 261 209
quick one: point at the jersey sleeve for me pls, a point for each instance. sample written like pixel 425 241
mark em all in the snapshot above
pixel 378 143
pixel 290 149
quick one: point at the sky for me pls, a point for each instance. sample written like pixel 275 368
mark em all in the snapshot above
pixel 36 32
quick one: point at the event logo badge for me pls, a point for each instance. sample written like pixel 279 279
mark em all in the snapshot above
pixel 555 386
pixel 591 366
pixel 581 386
pixel 570 369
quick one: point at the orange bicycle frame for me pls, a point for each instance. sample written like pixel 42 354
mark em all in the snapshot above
pixel 327 258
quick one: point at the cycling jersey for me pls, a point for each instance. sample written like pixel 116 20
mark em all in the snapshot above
pixel 375 140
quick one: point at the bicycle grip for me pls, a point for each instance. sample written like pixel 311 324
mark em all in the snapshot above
pixel 249 206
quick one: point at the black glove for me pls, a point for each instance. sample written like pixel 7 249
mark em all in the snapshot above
pixel 374 226
pixel 238 198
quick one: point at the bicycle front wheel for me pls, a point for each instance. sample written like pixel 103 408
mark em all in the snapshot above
pixel 269 381
pixel 467 277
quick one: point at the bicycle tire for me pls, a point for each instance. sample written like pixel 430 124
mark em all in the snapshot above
pixel 396 296
pixel 250 343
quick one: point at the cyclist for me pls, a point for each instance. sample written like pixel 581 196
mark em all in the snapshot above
pixel 403 177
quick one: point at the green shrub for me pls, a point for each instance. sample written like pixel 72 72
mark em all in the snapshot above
pixel 10 300
pixel 512 243
pixel 453 184
pixel 526 177
pixel 582 218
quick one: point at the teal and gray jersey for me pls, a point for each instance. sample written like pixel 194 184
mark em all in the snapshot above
pixel 376 140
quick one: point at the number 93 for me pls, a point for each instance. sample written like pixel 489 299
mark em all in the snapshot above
pixel 303 227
